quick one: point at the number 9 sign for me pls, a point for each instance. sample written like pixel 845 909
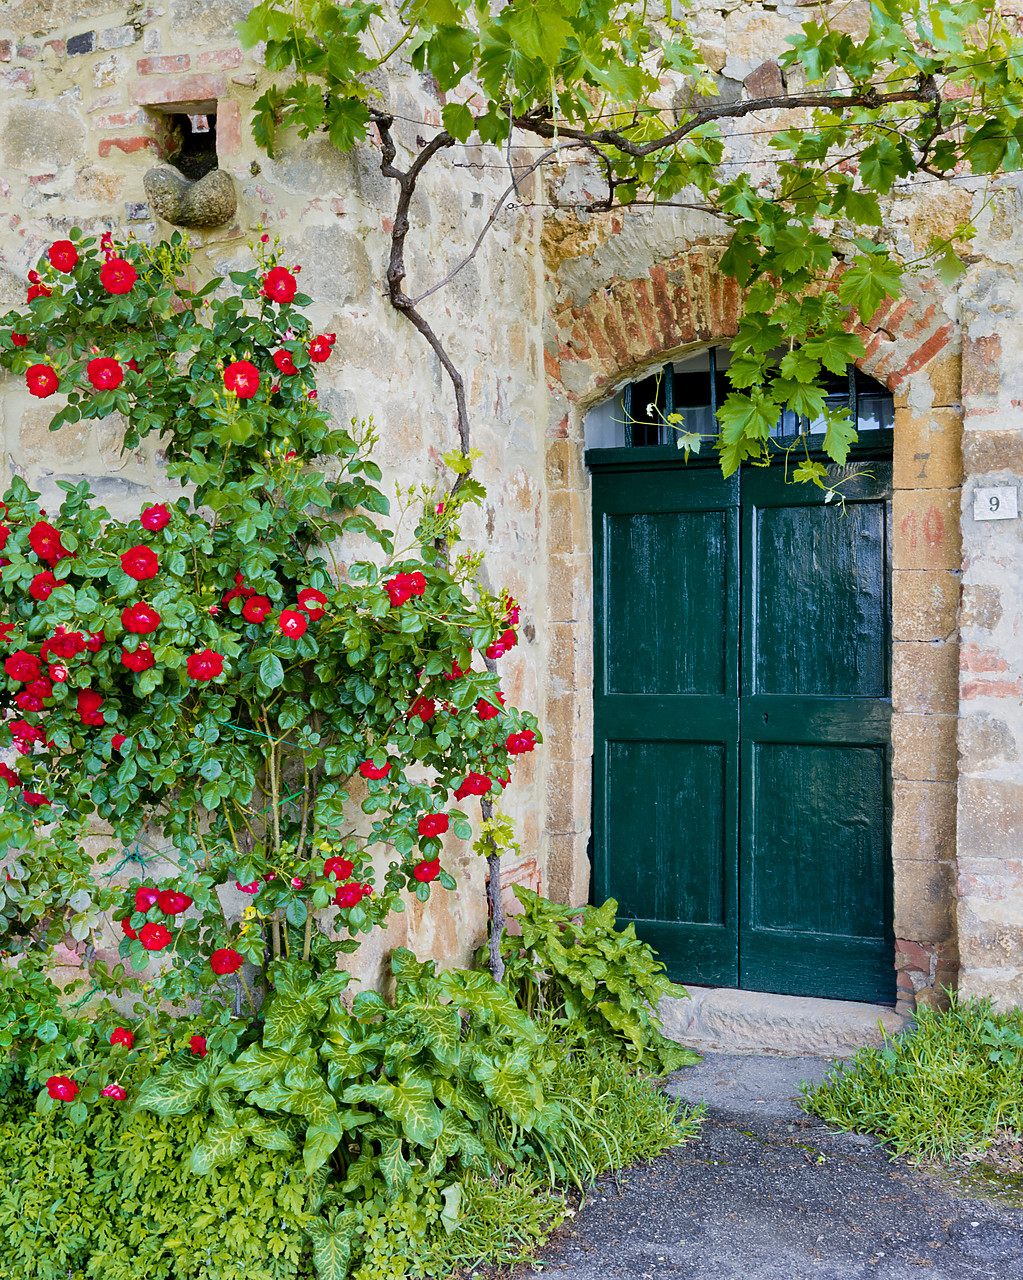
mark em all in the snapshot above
pixel 995 504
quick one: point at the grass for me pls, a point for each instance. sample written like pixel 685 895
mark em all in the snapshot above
pixel 943 1089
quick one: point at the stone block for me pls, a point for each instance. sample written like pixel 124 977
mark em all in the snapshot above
pixel 189 88
pixel 564 463
pixel 924 900
pixel 336 265
pixel 6 51
pixel 982 359
pixel 568 727
pixel 570 659
pixel 945 374
pixel 199 22
pixel 990 818
pixel 225 59
pixel 926 532
pixel 924 821
pixel 928 450
pixel 924 605
pixel 718 1019
pixel 765 81
pixel 40 139
pixel 568 521
pixel 568 588
pixel 985 743
pixel 981 606
pixel 37 443
pixel 567 868
pixel 985 452
pixel 925 677
pixel 116 38
pixel 924 747
pixel 568 796
pixel 229 128
pixel 84 42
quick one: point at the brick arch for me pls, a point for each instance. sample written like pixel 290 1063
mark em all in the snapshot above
pixel 912 346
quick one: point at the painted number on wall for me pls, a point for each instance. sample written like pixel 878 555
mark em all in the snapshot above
pixel 995 504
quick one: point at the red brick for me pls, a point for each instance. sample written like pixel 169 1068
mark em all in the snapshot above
pixel 981 359
pixel 127 145
pixel 659 284
pixel 229 128
pixel 17 75
pixel 163 65
pixel 59 47
pixel 923 354
pixel 973 658
pixel 27 51
pixel 552 366
pixel 225 59
pixel 990 689
pixel 192 87
pixel 118 120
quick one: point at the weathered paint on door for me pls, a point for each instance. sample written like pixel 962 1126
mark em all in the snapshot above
pixel 742 712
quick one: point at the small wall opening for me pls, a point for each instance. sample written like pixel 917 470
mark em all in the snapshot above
pixel 192 143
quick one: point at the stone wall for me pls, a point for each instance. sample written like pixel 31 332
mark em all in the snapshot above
pixel 555 313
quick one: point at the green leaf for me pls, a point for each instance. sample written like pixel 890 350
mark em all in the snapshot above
pixel 332 1245
pixel 219 1145
pixel 321 1141
pixel 171 1092
pixel 409 1101
pixel 396 1169
pixel 271 673
pixel 871 278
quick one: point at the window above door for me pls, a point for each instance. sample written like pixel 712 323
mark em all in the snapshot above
pixel 694 387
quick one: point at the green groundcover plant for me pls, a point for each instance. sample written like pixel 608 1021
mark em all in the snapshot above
pixel 245 701
pixel 946 1087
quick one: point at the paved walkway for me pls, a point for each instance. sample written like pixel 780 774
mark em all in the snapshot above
pixel 768 1193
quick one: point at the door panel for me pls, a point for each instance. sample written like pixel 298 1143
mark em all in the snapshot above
pixel 666 713
pixel 815 728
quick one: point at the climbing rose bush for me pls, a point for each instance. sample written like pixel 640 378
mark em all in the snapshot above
pixel 244 681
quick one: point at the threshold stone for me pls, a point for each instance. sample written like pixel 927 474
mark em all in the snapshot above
pixel 724 1020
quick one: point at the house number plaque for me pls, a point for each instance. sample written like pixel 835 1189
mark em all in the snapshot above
pixel 995 504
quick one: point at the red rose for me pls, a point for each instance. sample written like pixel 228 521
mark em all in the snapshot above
pixel 154 937
pixel 146 897
pixel 403 586
pixel 118 741
pixel 279 285
pixel 63 255
pixel 19 339
pixel 292 623
pixel 34 798
pixel 113 1091
pixel 487 710
pixel 341 868
pixel 474 784
pixel 226 960
pixel 26 701
pixel 105 373
pixel 252 888
pixel 416 583
pixel 127 930
pixel 89 703
pixel 37 290
pixel 62 1088
pixel 239 589
pixel 141 660
pixel 97 639
pixel 140 619
pixel 242 378
pixel 42 585
pixel 434 824
pixel 369 770
pixel 204 666
pixel 424 708
pixel 155 518
pixel 311 602
pixel 198 1046
pixel 41 380
pixel 424 872
pixel 172 903
pixel 351 894
pixel 117 275
pixel 41 688
pixel 58 672
pixel 22 666
pixel 121 1035
pixel 455 673
pixel 321 347
pixel 25 735
pixel 5 533
pixel 9 776
pixel 140 563
pixel 518 743
pixel 284 362
pixel 256 608
pixel 45 541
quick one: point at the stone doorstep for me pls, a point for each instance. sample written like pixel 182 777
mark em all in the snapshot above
pixel 723 1020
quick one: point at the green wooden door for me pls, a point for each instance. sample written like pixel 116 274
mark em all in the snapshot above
pixel 742 723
